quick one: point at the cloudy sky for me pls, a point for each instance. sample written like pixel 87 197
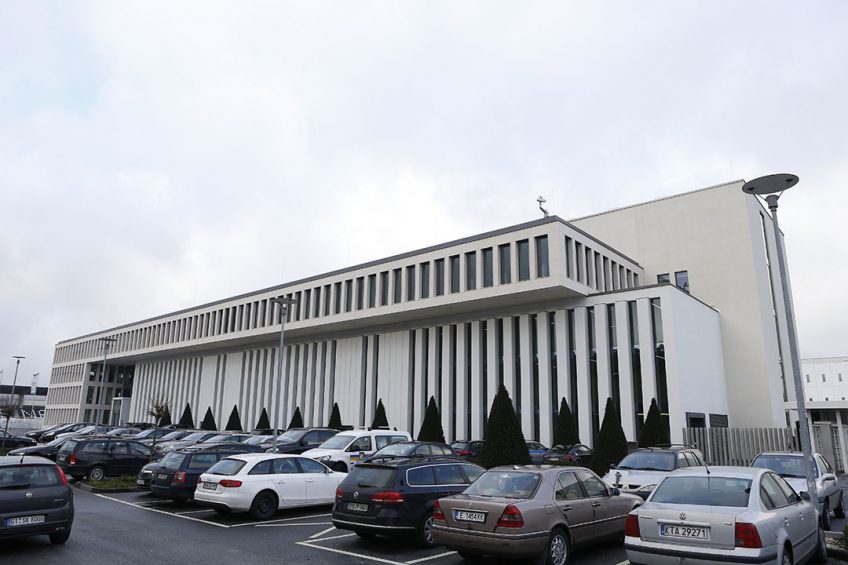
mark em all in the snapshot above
pixel 157 155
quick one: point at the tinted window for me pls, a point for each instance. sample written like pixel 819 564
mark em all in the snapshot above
pixel 200 461
pixel 472 471
pixel 592 484
pixel 94 447
pixel 140 449
pixel 771 494
pixel 370 477
pixel 284 466
pixel 119 448
pixel 261 468
pixel 172 460
pixel 420 476
pixel 28 476
pixel 449 475
pixel 505 484
pixel 361 444
pixel 568 488
pixel 227 467
pixel 424 450
pixel 704 491
pixel 311 466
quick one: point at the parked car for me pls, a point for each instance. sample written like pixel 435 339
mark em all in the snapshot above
pixel 100 457
pixel 229 437
pixel 530 511
pixel 790 466
pixel 146 436
pixel 87 431
pixel 641 471
pixel 267 432
pixel 537 451
pixel 408 449
pixel 122 432
pixel 46 450
pixel 298 440
pixel 345 449
pixel 35 499
pixel 262 483
pixel 12 441
pixel 51 434
pixel 36 434
pixel 146 474
pixel 394 496
pixel 576 454
pixel 180 439
pixel 177 473
pixel 467 448
pixel 724 515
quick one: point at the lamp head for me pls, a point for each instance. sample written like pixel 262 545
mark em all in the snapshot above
pixel 770 184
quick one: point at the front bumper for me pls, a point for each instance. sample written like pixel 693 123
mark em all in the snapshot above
pixel 527 544
pixel 649 553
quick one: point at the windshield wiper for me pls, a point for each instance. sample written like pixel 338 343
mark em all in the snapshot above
pixel 624 467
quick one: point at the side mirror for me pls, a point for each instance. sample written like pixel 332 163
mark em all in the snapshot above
pixel 615 491
pixel 828 477
pixel 613 466
pixel 805 496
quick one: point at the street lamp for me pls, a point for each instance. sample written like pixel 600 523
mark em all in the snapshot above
pixel 771 187
pixel 107 343
pixel 284 303
pixel 17 359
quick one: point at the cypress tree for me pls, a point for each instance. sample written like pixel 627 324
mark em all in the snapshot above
pixel 208 422
pixel 431 427
pixel 335 418
pixel 263 423
pixel 653 431
pixel 166 418
pixel 297 419
pixel 612 443
pixel 504 443
pixel 380 420
pixel 234 423
pixel 566 428
pixel 186 420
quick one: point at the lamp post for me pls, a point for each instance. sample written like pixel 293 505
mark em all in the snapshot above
pixel 17 359
pixel 284 303
pixel 107 343
pixel 771 187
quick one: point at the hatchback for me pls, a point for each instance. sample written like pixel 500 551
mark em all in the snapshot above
pixel 176 474
pixel 100 457
pixel 35 499
pixel 413 449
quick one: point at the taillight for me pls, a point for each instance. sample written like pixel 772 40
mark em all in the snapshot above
pixel 631 526
pixel 338 493
pixel 463 453
pixel 62 476
pixel 387 497
pixel 179 477
pixel 438 515
pixel 199 480
pixel 511 518
pixel 230 483
pixel 747 535
pixel 72 459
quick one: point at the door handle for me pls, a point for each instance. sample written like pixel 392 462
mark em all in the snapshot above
pixel 595 504
pixel 566 507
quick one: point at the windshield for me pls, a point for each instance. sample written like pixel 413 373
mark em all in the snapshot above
pixel 396 450
pixel 704 491
pixel 227 467
pixel 505 484
pixel 291 436
pixel 369 477
pixel 258 440
pixel 172 460
pixel 218 438
pixel 172 436
pixel 784 465
pixel 85 430
pixel 339 441
pixel 196 436
pixel 648 461
pixel 56 442
pixel 145 433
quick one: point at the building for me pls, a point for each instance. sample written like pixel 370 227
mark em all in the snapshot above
pixel 672 299
pixel 31 401
pixel 825 393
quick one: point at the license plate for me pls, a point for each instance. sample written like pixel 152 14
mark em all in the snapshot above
pixel 139 482
pixel 467 516
pixel 161 476
pixel 24 521
pixel 357 507
pixel 210 486
pixel 684 532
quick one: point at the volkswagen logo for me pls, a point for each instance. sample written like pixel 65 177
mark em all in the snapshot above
pixel 355 494
pixel 29 495
pixel 683 515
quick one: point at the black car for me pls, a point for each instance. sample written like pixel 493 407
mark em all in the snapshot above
pixel 575 454
pixel 147 436
pixel 36 434
pixel 51 435
pixel 396 496
pixel 10 441
pixel 415 449
pixel 175 475
pixel 298 440
pixel 467 448
pixel 102 457
pixel 146 474
pixel 35 499
pixel 46 450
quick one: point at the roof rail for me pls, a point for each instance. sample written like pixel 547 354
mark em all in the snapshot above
pixel 675 445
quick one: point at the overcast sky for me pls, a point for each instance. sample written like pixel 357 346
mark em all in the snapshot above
pixel 158 155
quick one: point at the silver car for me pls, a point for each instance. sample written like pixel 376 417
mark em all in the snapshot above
pixel 706 515
pixel 790 466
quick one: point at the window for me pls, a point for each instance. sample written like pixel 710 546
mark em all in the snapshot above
pixel 663 279
pixel 449 475
pixel 397 285
pixel 202 461
pixel 681 279
pixel 771 494
pixel 372 291
pixel 311 466
pixel 285 466
pixel 568 488
pixel 326 300
pixel 261 468
pixel 384 288
pixel 348 297
pixel 440 277
pixel 425 280
pixel 488 267
pixel 360 293
pixel 471 270
pixel 824 380
pixel 569 257
pixel 523 247
pixel 454 273
pixel 420 476
pixel 840 377
pixel 578 252
pixel 472 471
pixel 542 268
pixel 808 378
pixel 361 444
pixel 505 263
pixel 337 291
pixel 592 484
pixel 410 283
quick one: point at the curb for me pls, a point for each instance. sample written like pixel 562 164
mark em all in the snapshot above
pixel 89 488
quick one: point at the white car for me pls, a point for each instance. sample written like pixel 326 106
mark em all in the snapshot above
pixel 262 483
pixel 344 450
pixel 642 470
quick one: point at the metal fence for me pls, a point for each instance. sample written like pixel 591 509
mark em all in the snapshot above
pixel 739 446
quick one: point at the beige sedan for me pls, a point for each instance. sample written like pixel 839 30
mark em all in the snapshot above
pixel 531 511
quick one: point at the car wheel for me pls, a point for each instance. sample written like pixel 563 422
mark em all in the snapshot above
pixel 365 535
pixel 787 556
pixel 264 506
pixel 470 556
pixel 821 549
pixel 839 511
pixel 424 534
pixel 556 550
pixel 96 473
pixel 60 537
pixel 825 517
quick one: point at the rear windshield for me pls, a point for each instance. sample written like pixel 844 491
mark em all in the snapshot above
pixel 505 484
pixel 28 476
pixel 784 465
pixel 172 460
pixel 460 445
pixel 649 461
pixel 704 491
pixel 227 467
pixel 370 477
pixel 68 446
pixel 397 450
pixel 339 441
pixel 292 436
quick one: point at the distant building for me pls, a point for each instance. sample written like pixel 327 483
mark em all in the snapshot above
pixel 674 300
pixel 32 402
pixel 825 393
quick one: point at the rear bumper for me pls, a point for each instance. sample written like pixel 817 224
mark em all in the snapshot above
pixel 231 501
pixel 650 553
pixel 58 520
pixel 374 524
pixel 491 543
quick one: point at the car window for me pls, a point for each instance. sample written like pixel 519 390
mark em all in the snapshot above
pixel 312 438
pixel 139 449
pixel 261 468
pixel 790 493
pixel 681 461
pixel 592 484
pixel 824 465
pixel 202 461
pixel 691 459
pixel 700 457
pixel 703 491
pixel 326 434
pixel 363 444
pixel 505 484
pixel 119 448
pixel 95 447
pixel 567 487
pixel 472 471
pixel 424 450
pixel 228 467
pixel 443 449
pixel 771 494
pixel 28 476
pixel 449 475
pixel 311 466
pixel 285 466
pixel 395 439
pixel 420 476
pixel 383 441
pixel 582 450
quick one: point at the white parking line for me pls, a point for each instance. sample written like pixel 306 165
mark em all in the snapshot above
pixel 159 511
pixel 350 553
pixel 335 537
pixel 439 556
pixel 194 511
pixel 319 534
pixel 293 524
pixel 281 520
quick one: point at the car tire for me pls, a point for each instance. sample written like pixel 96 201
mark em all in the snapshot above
pixel 820 556
pixel 556 549
pixel 264 506
pixel 470 556
pixel 365 535
pixel 424 532
pixel 787 556
pixel 96 473
pixel 839 511
pixel 825 516
pixel 60 537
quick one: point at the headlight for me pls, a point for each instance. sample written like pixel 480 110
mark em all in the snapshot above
pixel 647 489
pixel 323 458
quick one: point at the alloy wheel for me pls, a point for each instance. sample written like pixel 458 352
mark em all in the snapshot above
pixel 558 550
pixel 428 530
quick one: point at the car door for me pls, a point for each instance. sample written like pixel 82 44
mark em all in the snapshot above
pixel 799 517
pixel 609 514
pixel 320 483
pixel 289 482
pixel 571 500
pixel 119 457
pixel 359 448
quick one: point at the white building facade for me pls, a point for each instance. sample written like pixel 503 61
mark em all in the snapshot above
pixel 549 308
